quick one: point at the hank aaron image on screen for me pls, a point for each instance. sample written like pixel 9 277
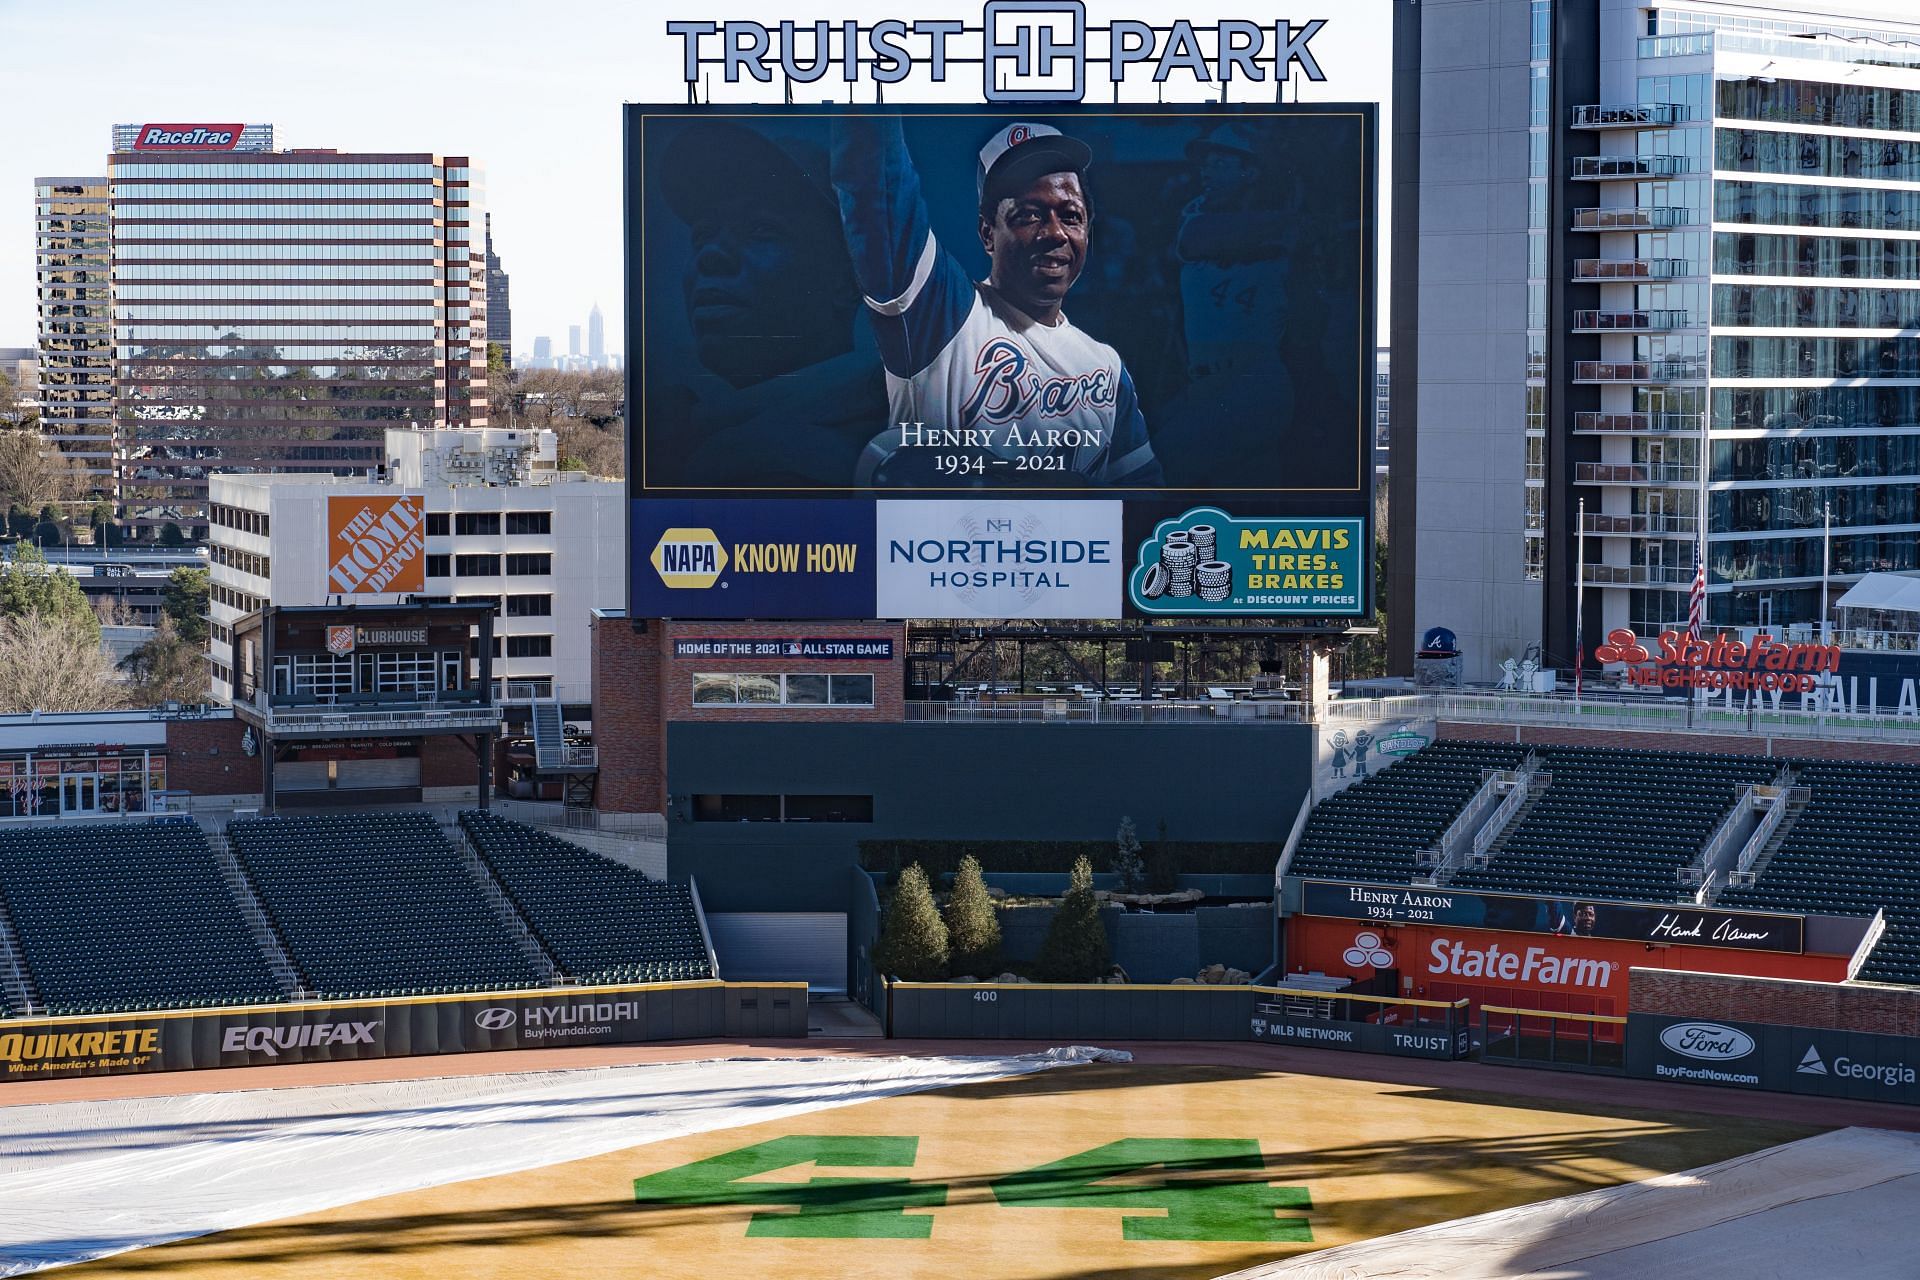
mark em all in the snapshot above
pixel 988 382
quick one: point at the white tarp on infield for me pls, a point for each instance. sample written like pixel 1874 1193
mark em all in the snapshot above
pixel 83 1180
pixel 1837 1205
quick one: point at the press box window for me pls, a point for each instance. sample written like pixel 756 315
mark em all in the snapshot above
pixel 829 808
pixel 736 808
pixel 719 689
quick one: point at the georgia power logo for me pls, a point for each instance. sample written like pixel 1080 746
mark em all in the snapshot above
pixel 689 558
pixel 1367 952
pixel 1707 1041
pixel 1621 646
pixel 495 1019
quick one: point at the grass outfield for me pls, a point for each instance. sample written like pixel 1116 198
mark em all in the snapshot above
pixel 1104 1170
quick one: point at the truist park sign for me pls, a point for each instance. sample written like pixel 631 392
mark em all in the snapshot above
pixel 1026 50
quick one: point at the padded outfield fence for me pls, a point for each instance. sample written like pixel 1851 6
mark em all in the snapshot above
pixel 348 1030
pixel 1544 1038
pixel 1142 1011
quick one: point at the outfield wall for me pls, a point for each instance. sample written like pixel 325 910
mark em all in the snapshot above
pixel 349 1030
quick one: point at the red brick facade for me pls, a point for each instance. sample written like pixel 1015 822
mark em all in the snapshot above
pixel 1891 1011
pixel 1726 744
pixel 639 687
pixel 204 757
pixel 447 761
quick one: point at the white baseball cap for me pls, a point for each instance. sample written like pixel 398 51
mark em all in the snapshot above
pixel 1025 151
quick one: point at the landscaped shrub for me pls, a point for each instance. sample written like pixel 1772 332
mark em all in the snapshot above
pixel 973 926
pixel 913 938
pixel 1075 948
pixel 942 857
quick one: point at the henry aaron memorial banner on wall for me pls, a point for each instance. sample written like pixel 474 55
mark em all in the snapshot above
pixel 1164 309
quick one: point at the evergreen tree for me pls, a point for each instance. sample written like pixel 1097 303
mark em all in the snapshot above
pixel 29 585
pixel 1075 949
pixel 1126 862
pixel 1163 869
pixel 973 926
pixel 913 937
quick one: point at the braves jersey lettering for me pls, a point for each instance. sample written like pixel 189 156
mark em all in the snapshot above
pixel 961 361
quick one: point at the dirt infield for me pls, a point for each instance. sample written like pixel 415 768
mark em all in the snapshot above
pixel 1547 1087
pixel 1161 1169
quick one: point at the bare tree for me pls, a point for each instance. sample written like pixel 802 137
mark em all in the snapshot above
pixel 167 668
pixel 34 473
pixel 51 663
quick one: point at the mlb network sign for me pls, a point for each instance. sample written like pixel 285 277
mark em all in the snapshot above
pixel 1027 50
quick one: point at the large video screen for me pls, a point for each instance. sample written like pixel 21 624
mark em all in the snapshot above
pixel 1101 361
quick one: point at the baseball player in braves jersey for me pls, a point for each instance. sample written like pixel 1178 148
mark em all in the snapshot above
pixel 990 369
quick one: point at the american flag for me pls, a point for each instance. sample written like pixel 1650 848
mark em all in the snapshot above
pixel 1697 600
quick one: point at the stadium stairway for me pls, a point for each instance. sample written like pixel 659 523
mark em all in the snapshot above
pixel 602 920
pixel 503 909
pixel 18 995
pixel 117 916
pixel 379 904
pixel 267 938
pixel 1854 850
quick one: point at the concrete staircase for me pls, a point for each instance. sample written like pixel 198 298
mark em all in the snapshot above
pixel 18 984
pixel 1796 805
pixel 503 909
pixel 265 936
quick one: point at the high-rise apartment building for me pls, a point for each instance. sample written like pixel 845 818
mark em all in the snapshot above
pixel 1657 261
pixel 73 278
pixel 499 305
pixel 279 310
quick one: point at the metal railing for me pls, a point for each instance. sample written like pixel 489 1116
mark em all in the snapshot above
pixel 1623 116
pixel 1635 473
pixel 1604 168
pixel 1769 823
pixel 1598 422
pixel 1627 712
pixel 1631 218
pixel 1706 871
pixel 640 826
pixel 1639 370
pixel 1638 575
pixel 1543 1038
pixel 1065 711
pixel 349 720
pixel 1632 268
pixel 1640 525
pixel 1630 321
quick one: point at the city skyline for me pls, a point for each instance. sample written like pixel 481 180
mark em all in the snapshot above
pixel 558 132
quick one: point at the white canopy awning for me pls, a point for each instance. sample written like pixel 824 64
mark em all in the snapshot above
pixel 1884 591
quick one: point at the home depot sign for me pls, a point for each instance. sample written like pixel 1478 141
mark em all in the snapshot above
pixel 1684 662
pixel 376 545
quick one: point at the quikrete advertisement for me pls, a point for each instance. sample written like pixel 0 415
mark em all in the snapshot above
pixel 749 559
pixel 264 1035
pixel 1206 561
pixel 1571 917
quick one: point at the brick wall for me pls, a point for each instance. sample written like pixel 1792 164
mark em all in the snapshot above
pixel 1726 744
pixel 889 687
pixel 447 761
pixel 204 757
pixel 1881 1010
pixel 628 727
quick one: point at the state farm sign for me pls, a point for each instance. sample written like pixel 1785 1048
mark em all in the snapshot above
pixel 188 137
pixel 1452 958
pixel 1685 662
pixel 376 545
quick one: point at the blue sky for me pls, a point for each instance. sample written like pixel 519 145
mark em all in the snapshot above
pixel 531 90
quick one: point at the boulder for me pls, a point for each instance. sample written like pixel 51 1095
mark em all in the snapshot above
pixel 1183 982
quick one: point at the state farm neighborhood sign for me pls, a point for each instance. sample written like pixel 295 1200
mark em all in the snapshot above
pixel 1684 662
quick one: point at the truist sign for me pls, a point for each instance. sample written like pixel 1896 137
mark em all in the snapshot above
pixel 188 137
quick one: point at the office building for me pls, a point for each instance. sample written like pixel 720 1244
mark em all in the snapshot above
pixel 1382 406
pixel 21 367
pixel 596 339
pixel 1629 240
pixel 542 352
pixel 573 341
pixel 503 527
pixel 499 305
pixel 279 310
pixel 73 290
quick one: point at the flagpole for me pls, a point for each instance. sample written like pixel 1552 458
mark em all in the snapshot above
pixel 1826 569
pixel 1580 602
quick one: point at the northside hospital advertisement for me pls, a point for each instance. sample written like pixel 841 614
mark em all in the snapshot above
pixel 1006 360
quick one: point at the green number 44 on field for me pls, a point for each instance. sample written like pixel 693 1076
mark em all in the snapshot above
pixel 1165 1188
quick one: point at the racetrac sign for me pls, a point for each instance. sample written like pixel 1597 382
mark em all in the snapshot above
pixel 376 545
pixel 1683 662
pixel 188 137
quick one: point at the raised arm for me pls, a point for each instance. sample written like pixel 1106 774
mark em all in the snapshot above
pixel 917 295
